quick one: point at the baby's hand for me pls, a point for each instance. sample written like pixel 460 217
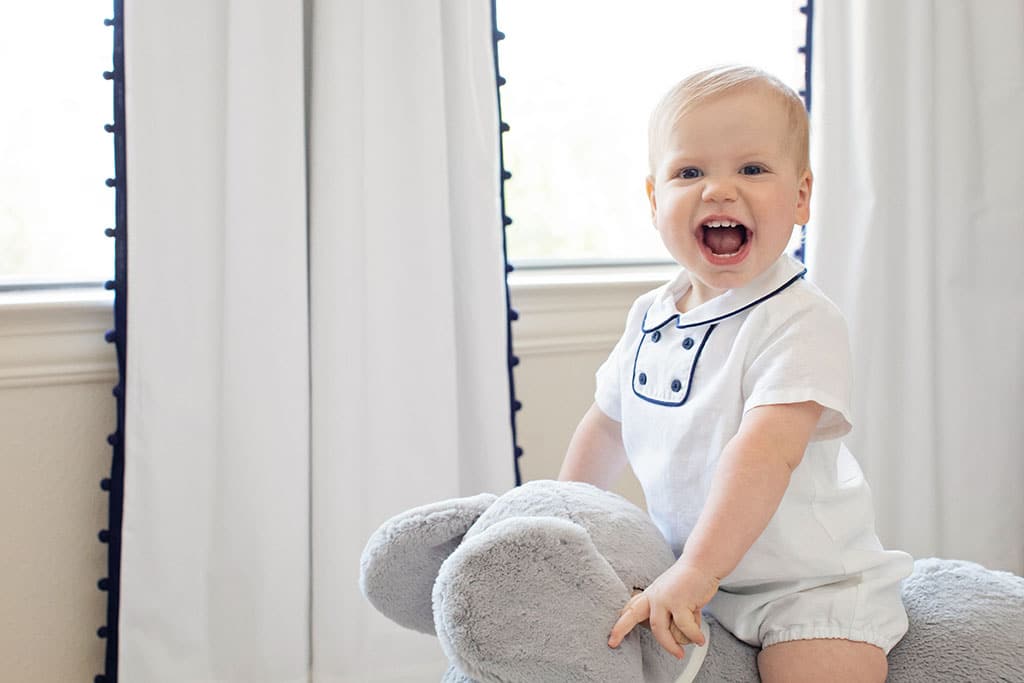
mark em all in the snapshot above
pixel 672 604
pixel 677 635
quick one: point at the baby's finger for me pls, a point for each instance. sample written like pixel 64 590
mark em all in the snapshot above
pixel 632 601
pixel 636 610
pixel 686 623
pixel 697 614
pixel 677 635
pixel 660 622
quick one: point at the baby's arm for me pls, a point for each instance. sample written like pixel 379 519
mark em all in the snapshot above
pixel 752 476
pixel 595 454
pixel 748 485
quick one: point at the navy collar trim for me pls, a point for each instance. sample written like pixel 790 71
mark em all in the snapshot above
pixel 675 317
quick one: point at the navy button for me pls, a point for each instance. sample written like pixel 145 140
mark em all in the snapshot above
pixel 656 337
pixel 676 385
pixel 688 343
pixel 642 379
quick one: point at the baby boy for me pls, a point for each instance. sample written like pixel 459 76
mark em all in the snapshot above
pixel 728 395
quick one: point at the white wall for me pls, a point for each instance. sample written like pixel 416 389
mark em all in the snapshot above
pixel 56 409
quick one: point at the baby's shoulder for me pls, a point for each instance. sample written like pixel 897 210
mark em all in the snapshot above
pixel 803 301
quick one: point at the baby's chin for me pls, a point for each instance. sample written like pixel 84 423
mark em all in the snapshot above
pixel 755 264
pixel 721 279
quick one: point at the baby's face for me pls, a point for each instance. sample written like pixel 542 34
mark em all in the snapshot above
pixel 728 190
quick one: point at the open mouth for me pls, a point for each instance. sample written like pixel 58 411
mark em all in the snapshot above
pixel 724 238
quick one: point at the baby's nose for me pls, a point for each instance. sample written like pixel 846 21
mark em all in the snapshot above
pixel 719 190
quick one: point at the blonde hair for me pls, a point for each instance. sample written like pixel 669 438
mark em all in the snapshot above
pixel 704 85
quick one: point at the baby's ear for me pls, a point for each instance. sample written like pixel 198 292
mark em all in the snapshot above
pixel 803 203
pixel 651 199
pixel 402 558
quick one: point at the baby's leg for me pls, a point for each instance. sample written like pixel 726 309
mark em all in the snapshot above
pixel 820 630
pixel 822 659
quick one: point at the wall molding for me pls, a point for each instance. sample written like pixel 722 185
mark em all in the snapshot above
pixel 565 312
pixel 55 337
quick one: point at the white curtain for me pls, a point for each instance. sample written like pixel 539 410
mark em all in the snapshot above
pixel 916 233
pixel 316 323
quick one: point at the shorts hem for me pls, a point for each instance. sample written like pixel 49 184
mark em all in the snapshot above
pixel 886 643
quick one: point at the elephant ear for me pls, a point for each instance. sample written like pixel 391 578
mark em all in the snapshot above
pixel 531 599
pixel 402 558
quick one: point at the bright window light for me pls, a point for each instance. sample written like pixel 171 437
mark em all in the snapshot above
pixel 54 153
pixel 582 79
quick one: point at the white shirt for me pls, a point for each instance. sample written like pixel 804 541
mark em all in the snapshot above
pixel 680 385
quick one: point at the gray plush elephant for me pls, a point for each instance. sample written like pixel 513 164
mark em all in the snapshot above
pixel 526 586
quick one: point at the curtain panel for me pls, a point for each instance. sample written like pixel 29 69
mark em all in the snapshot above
pixel 316 323
pixel 916 219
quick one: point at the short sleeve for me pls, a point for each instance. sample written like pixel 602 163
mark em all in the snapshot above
pixel 608 393
pixel 804 356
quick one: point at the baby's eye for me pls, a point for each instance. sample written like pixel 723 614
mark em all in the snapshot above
pixel 752 169
pixel 690 173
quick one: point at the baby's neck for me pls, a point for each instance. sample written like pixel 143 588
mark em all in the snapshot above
pixel 696 295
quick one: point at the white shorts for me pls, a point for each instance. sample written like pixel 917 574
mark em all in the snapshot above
pixel 866 607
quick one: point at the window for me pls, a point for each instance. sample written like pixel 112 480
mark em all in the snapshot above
pixel 54 152
pixel 582 79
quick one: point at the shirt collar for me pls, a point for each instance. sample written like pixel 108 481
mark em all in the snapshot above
pixel 780 275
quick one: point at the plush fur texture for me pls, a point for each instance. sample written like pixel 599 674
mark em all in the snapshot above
pixel 526 586
pixel 966 624
pixel 402 558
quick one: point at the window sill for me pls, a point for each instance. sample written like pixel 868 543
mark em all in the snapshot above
pixel 568 310
pixel 575 276
pixel 55 336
